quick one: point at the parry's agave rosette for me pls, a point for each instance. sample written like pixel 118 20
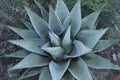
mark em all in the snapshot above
pixel 61 45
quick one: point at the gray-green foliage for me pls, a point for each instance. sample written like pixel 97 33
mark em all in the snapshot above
pixel 61 44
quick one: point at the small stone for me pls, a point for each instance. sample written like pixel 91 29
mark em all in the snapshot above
pixel 114 57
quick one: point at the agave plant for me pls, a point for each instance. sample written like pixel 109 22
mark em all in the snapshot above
pixel 61 45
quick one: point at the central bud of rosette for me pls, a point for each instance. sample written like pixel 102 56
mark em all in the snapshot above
pixel 59 46
pixel 64 46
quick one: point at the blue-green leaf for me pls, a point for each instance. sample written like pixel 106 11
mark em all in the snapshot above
pixel 45 74
pixel 75 17
pixel 55 52
pixel 61 10
pixel 67 42
pixel 90 20
pixel 79 50
pixel 32 45
pixel 27 24
pixel 55 40
pixel 44 13
pixel 40 26
pixel 29 73
pixel 24 33
pixel 66 23
pixel 48 44
pixel 18 54
pixel 97 62
pixel 54 22
pixel 104 44
pixel 32 60
pixel 80 70
pixel 58 69
pixel 90 37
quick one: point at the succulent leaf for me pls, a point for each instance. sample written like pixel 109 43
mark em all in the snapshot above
pixel 75 17
pixel 67 23
pixel 54 22
pixel 90 20
pixel 80 70
pixel 18 54
pixel 55 52
pixel 44 13
pixel 32 45
pixel 46 45
pixel 90 37
pixel 55 40
pixel 104 44
pixel 61 10
pixel 32 60
pixel 80 49
pixel 67 42
pixel 30 73
pixel 57 70
pixel 97 62
pixel 45 74
pixel 40 26
pixel 24 33
pixel 27 24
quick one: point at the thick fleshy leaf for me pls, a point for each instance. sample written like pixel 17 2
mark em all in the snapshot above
pixel 55 40
pixel 61 10
pixel 27 24
pixel 79 50
pixel 104 44
pixel 67 42
pixel 90 37
pixel 97 62
pixel 68 76
pixel 79 70
pixel 29 73
pixel 48 44
pixel 24 33
pixel 44 13
pixel 90 20
pixel 32 45
pixel 66 23
pixel 55 52
pixel 58 69
pixel 32 60
pixel 54 22
pixel 40 26
pixel 45 74
pixel 18 54
pixel 75 17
